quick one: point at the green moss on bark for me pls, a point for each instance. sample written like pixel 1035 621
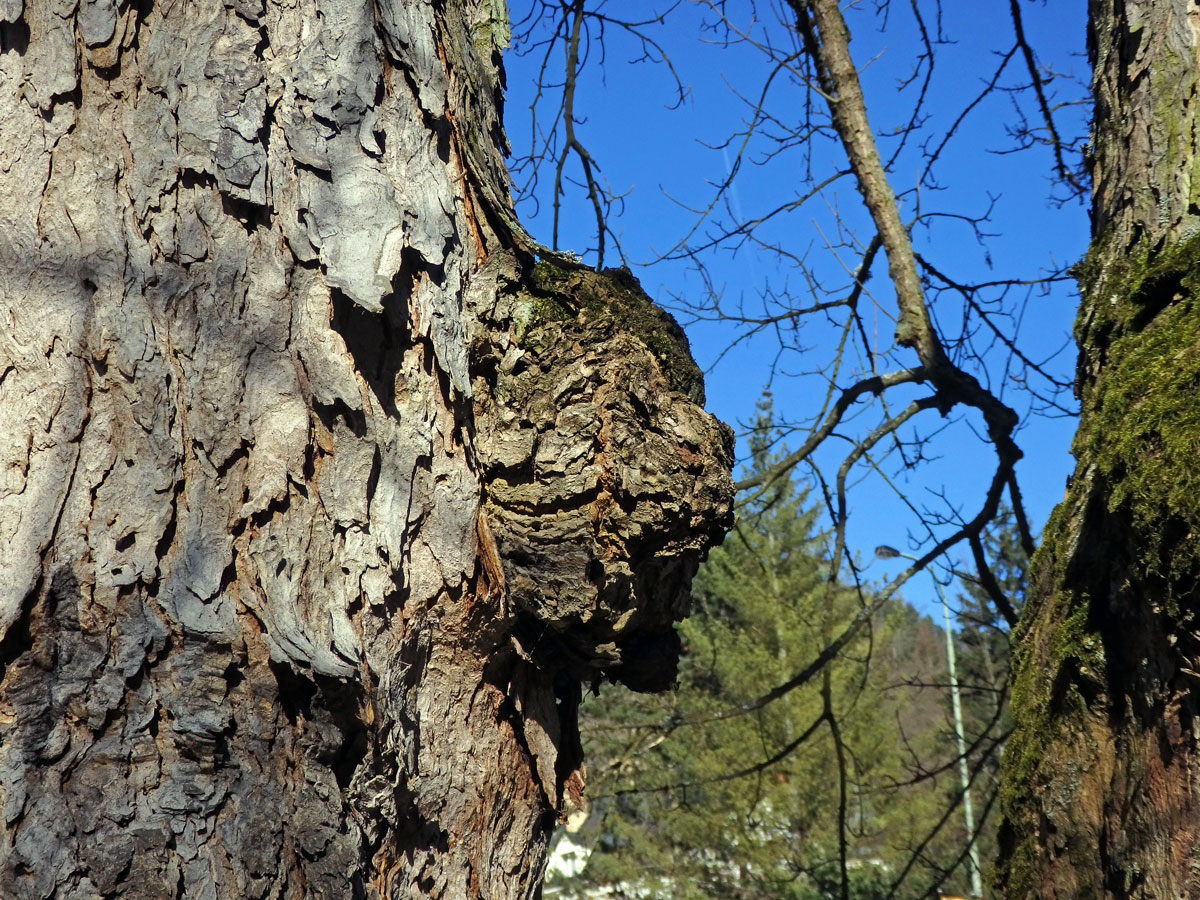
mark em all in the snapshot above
pixel 1059 667
pixel 1138 452
pixel 1140 427
pixel 1122 292
pixel 612 299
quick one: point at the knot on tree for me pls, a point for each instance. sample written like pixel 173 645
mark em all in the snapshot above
pixel 606 482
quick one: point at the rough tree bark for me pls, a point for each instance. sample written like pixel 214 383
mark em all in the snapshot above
pixel 319 499
pixel 1102 776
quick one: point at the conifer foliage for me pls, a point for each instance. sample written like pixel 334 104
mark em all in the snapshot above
pixel 844 788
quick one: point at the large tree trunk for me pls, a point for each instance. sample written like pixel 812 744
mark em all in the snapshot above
pixel 319 499
pixel 1102 776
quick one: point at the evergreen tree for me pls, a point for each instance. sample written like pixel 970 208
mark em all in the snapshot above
pixel 699 797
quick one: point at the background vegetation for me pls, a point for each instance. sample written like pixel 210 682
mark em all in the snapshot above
pixel 712 793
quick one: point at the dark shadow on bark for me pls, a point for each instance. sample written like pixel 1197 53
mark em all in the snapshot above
pixel 296 692
pixel 18 639
pixel 377 341
pixel 14 36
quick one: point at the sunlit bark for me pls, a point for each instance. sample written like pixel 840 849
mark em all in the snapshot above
pixel 318 499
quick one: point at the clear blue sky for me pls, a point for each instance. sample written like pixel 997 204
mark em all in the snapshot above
pixel 657 154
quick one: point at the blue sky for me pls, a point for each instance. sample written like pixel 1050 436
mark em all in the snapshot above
pixel 660 158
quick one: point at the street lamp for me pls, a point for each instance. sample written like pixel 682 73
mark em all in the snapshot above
pixel 885 552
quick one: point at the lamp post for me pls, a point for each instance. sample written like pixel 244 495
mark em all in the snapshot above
pixel 886 552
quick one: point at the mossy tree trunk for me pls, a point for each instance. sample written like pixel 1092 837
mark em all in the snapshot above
pixel 1102 776
pixel 318 499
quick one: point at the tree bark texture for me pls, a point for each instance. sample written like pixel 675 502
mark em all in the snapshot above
pixel 1102 776
pixel 319 499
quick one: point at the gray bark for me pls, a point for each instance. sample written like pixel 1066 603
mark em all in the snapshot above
pixel 319 500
